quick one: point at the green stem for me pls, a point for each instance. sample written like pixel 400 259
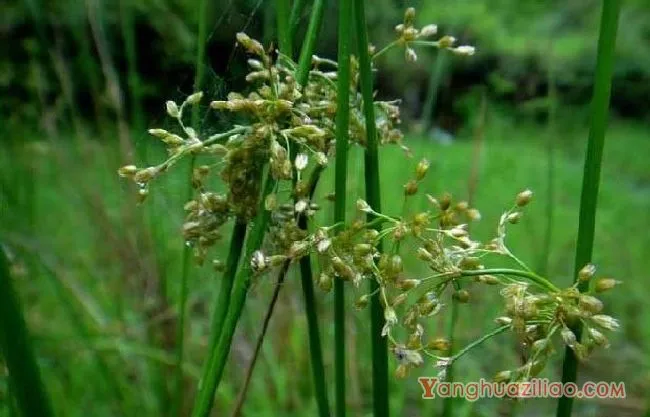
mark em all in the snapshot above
pixel 15 345
pixel 541 281
pixel 218 356
pixel 315 349
pixel 479 341
pixel 294 19
pixel 591 178
pixel 177 407
pixel 448 402
pixel 260 339
pixel 282 11
pixel 373 197
pixel 309 44
pixel 129 39
pixel 340 190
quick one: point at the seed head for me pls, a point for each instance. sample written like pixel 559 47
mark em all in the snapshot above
pixel 586 272
pixel 195 98
pixel 429 30
pixel 605 284
pixel 421 169
pixel 523 198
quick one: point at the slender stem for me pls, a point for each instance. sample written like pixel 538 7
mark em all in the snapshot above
pixel 223 296
pixel 310 42
pixel 282 11
pixel 315 349
pixel 340 190
pixel 218 356
pixel 448 402
pixel 260 339
pixel 371 161
pixel 480 340
pixel 15 345
pixel 177 408
pixel 541 281
pixel 591 178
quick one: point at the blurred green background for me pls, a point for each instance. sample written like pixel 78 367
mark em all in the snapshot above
pixel 98 275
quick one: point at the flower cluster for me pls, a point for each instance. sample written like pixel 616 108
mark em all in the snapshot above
pixel 535 310
pixel 286 133
pixel 409 37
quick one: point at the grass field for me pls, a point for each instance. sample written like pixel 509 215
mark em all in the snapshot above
pixel 98 274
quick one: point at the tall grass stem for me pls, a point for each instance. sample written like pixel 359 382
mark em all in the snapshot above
pixel 340 190
pixel 373 197
pixel 591 177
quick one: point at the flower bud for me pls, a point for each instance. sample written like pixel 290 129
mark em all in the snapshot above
pixel 513 218
pixel 586 272
pixel 440 344
pixel 195 98
pixel 258 261
pixel 407 284
pixel 446 42
pixel 421 169
pixel 410 187
pixel 363 206
pixel 464 50
pixel 568 337
pixel 605 284
pixel 172 109
pixel 127 171
pixel 606 322
pixel 590 304
pixel 410 55
pixel 429 30
pixel 523 198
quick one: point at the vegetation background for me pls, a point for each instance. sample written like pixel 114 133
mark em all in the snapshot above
pixel 99 276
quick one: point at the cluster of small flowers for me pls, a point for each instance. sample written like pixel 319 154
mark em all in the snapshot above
pixel 285 126
pixel 410 36
pixel 535 309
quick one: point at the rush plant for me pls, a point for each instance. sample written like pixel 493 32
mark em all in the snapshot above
pixel 291 122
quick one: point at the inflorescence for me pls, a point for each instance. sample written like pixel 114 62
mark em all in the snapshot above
pixel 288 132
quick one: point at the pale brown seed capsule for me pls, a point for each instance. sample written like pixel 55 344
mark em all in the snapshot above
pixel 605 284
pixel 586 273
pixel 568 337
pixel 407 284
pixel 399 299
pixel 440 344
pixel 445 201
pixel 590 304
pixel 421 169
pixel 446 42
pixel 523 198
pixel 127 171
pixel 513 218
pixel 410 187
